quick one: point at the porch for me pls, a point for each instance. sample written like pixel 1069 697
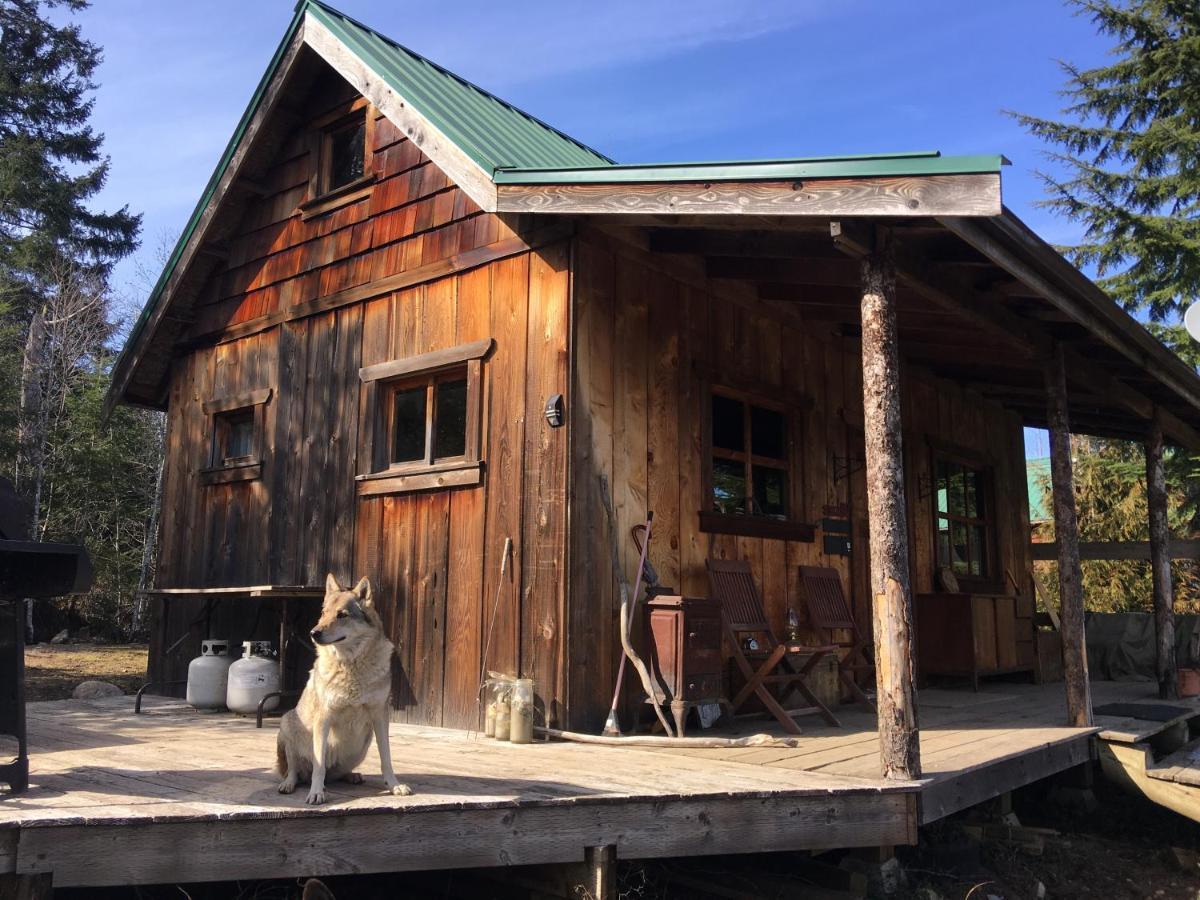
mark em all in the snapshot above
pixel 174 795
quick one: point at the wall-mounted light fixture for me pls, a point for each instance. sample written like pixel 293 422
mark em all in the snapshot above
pixel 554 411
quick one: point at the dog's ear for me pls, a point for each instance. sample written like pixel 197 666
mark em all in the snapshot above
pixel 363 589
pixel 331 585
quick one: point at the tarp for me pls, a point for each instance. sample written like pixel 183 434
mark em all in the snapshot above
pixel 1120 646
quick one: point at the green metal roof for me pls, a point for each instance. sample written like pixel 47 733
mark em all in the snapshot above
pixel 493 133
pixel 867 166
pixel 515 147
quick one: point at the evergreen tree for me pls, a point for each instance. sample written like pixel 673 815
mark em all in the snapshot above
pixel 1129 148
pixel 50 157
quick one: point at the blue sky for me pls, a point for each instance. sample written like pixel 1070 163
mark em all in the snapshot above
pixel 653 80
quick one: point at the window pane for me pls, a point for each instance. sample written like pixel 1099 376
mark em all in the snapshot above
pixel 729 486
pixel 943 542
pixel 770 492
pixel 239 436
pixel 978 553
pixel 970 479
pixel 451 436
pixel 728 423
pixel 408 425
pixel 978 500
pixel 958 548
pixel 768 433
pixel 943 489
pixel 958 501
pixel 346 153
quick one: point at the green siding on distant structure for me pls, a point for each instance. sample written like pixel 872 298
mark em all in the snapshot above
pixel 1037 476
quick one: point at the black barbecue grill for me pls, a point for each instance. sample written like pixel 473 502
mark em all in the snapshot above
pixel 28 570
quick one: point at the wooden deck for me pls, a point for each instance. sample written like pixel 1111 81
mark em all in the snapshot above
pixel 176 796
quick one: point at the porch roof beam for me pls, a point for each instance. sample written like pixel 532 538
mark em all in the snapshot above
pixel 1062 285
pixel 1032 344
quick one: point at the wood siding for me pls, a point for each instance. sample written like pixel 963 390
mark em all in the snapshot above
pixel 649 333
pixel 294 308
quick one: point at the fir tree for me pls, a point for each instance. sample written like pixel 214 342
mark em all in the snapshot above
pixel 50 157
pixel 1129 151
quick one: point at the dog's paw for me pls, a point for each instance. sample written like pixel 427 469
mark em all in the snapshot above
pixel 353 778
pixel 315 797
pixel 287 786
pixel 401 790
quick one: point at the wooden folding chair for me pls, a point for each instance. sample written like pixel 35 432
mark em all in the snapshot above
pixel 828 609
pixel 742 614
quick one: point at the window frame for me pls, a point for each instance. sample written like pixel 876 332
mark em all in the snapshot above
pixel 793 527
pixel 380 385
pixel 985 470
pixel 221 411
pixel 322 197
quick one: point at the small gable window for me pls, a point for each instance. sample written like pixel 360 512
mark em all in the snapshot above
pixel 340 145
pixel 346 152
pixel 236 425
pixel 426 426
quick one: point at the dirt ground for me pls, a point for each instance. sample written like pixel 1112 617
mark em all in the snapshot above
pixel 53 670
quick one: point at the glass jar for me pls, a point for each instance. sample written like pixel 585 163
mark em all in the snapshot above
pixel 521 712
pixel 503 720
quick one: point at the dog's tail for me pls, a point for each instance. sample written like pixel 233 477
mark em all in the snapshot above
pixel 280 757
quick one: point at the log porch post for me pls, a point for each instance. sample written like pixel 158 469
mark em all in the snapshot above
pixel 891 591
pixel 1160 564
pixel 1066 533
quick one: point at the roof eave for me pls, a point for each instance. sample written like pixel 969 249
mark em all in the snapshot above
pixel 963 194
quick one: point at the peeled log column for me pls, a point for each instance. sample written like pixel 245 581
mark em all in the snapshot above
pixel 899 748
pixel 1066 532
pixel 1160 564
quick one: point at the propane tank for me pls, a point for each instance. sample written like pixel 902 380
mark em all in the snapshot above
pixel 252 677
pixel 208 675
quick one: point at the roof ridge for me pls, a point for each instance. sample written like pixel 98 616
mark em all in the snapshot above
pixel 302 5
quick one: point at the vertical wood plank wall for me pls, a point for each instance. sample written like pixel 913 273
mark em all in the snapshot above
pixel 643 327
pixel 434 556
pixel 615 329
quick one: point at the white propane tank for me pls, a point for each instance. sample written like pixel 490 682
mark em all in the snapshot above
pixel 208 675
pixel 251 678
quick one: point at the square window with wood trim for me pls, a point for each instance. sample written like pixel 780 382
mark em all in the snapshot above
pixel 751 482
pixel 425 428
pixel 236 426
pixel 963 519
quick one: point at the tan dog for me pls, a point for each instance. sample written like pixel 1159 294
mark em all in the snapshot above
pixel 346 698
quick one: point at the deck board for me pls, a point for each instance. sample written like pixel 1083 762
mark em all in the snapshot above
pixel 174 777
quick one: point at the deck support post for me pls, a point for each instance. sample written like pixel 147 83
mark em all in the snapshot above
pixel 1066 533
pixel 891 591
pixel 597 877
pixel 1160 563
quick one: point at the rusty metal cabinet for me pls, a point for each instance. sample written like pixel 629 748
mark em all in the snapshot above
pixel 684 641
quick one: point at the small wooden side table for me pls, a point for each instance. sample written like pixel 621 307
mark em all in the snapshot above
pixel 683 635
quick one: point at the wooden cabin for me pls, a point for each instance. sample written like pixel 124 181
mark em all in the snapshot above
pixel 408 322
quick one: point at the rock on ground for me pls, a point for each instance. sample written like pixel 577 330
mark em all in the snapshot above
pixel 92 690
